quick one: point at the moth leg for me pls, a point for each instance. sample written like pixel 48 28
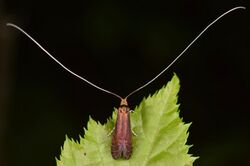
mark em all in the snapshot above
pixel 109 134
pixel 132 111
pixel 133 132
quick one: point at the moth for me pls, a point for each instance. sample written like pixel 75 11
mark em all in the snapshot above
pixel 122 134
pixel 121 146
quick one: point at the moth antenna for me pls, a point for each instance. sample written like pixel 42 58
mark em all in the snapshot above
pixel 149 82
pixel 52 57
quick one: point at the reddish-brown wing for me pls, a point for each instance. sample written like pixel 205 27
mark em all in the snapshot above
pixel 122 135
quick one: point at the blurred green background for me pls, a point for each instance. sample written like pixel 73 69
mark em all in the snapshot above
pixel 120 45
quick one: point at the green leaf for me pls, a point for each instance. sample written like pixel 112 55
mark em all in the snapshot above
pixel 161 136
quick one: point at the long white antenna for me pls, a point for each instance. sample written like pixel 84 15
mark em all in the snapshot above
pixel 112 93
pixel 90 83
pixel 149 82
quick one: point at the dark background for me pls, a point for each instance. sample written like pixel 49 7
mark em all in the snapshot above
pixel 120 46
